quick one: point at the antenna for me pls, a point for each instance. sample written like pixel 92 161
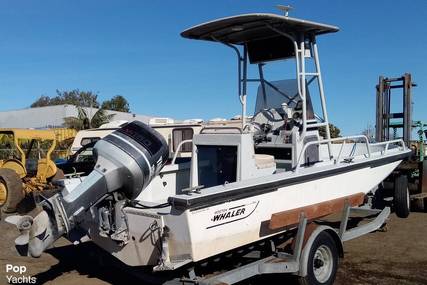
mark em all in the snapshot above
pixel 285 9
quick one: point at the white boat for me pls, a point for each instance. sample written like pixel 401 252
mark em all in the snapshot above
pixel 245 182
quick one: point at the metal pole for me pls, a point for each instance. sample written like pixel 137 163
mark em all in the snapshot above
pixel 322 94
pixel 388 112
pixel 244 86
pixel 261 76
pixel 239 71
pixel 380 111
pixel 407 108
pixel 303 87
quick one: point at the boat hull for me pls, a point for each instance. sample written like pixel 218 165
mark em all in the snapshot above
pixel 203 231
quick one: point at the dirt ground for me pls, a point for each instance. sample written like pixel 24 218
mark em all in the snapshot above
pixel 397 256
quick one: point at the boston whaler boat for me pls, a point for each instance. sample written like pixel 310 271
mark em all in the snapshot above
pixel 244 186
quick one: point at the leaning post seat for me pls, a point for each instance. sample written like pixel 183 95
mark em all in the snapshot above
pixel 263 161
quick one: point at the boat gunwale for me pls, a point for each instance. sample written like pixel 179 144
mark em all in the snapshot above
pixel 196 201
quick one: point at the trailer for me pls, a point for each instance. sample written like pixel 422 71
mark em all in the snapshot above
pixel 310 252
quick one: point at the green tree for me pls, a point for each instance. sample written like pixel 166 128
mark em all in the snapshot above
pixel 83 121
pixel 41 102
pixel 73 97
pixel 334 130
pixel 117 103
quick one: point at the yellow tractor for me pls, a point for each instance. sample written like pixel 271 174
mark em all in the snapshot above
pixel 25 164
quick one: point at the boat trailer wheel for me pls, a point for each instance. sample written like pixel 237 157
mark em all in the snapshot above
pixel 322 260
pixel 323 264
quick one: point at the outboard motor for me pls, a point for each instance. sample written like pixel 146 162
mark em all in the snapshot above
pixel 127 160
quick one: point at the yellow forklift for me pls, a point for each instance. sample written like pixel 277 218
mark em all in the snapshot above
pixel 25 165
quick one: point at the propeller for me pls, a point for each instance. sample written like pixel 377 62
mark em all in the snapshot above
pixel 33 231
pixel 24 224
pixel 13 219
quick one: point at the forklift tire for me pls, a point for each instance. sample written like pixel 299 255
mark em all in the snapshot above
pixel 322 261
pixel 11 190
pixel 401 199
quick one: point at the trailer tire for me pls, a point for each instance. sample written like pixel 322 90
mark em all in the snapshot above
pixel 322 261
pixel 12 192
pixel 401 199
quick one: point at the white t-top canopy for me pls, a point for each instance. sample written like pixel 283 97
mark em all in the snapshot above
pixel 244 28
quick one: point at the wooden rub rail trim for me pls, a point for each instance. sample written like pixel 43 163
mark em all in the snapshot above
pixel 291 217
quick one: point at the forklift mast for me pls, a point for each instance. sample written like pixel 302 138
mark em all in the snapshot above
pixel 388 124
pixel 384 116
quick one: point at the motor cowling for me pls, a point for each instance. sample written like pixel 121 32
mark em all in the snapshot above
pixel 146 150
pixel 126 161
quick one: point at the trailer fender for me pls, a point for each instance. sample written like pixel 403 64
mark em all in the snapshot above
pixel 309 241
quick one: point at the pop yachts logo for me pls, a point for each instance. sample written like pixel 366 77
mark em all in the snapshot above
pixel 15 274
pixel 232 214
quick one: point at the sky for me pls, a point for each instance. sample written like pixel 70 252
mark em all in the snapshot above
pixel 134 48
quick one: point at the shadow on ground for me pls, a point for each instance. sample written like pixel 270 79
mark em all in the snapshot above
pixel 90 261
pixel 87 259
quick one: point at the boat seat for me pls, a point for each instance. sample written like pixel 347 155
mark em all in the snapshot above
pixel 264 161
